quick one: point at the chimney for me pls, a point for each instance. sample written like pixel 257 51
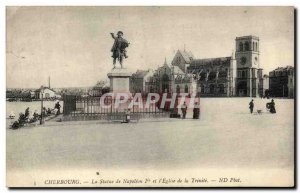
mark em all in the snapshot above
pixel 49 81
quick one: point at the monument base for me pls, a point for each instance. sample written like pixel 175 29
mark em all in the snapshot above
pixel 119 81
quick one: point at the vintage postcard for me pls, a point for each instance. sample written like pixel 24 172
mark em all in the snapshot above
pixel 150 96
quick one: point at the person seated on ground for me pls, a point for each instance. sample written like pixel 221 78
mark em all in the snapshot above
pixel 30 117
pixel 20 123
pixel 44 112
pixel 35 116
pixel 22 119
pixel 55 111
pixel 49 111
pixel 15 125
pixel 272 106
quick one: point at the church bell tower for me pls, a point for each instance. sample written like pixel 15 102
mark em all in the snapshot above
pixel 247 52
pixel 247 59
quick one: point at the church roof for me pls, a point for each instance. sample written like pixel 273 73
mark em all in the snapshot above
pixel 164 65
pixel 211 61
pixel 177 70
pixel 44 88
pixel 247 37
pixel 187 56
pixel 281 71
pixel 284 68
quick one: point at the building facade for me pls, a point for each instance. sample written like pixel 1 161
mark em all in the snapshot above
pixel 98 90
pixel 139 81
pixel 171 79
pixel 265 89
pixel 281 82
pixel 216 76
pixel 46 93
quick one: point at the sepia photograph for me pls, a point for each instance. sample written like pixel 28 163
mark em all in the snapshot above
pixel 150 96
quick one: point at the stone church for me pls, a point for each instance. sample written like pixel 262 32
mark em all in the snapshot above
pixel 237 75
pixel 171 79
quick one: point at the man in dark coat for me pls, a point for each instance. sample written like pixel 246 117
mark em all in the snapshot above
pixel 251 106
pixel 183 110
pixel 196 111
pixel 272 107
pixel 119 48
pixel 57 106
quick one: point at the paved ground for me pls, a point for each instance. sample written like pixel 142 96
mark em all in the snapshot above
pixel 226 136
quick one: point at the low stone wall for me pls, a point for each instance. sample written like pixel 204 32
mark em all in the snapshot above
pixel 88 117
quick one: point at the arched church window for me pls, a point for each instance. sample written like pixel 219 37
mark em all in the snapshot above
pixel 256 48
pixel 202 88
pixel 202 76
pixel 243 74
pixel 186 89
pixel 165 77
pixel 178 89
pixel 151 89
pixel 211 88
pixel 247 46
pixel 241 46
pixel 165 83
pixel 253 46
pixel 221 88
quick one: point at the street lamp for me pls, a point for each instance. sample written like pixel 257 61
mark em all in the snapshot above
pixel 42 91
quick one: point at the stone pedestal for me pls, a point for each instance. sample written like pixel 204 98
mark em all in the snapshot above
pixel 119 80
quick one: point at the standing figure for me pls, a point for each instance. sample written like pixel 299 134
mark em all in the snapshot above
pixel 183 110
pixel 196 111
pixel 251 106
pixel 57 106
pixel 27 113
pixel 45 112
pixel 127 116
pixel 119 48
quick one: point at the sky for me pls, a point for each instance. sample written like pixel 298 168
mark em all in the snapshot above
pixel 72 44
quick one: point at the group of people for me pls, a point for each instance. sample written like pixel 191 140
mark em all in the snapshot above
pixel 47 111
pixel 270 106
pixel 27 117
pixel 196 110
